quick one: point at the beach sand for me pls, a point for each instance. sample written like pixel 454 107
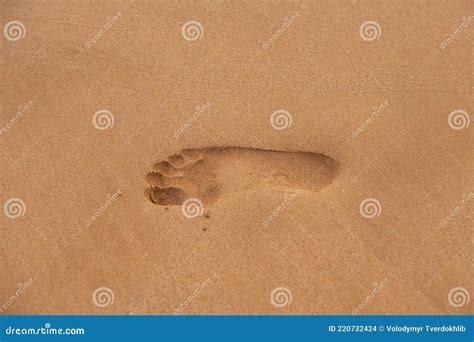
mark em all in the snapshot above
pixel 241 157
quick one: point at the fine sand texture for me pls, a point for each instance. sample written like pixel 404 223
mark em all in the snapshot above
pixel 236 157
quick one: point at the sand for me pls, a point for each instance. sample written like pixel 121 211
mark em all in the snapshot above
pixel 241 157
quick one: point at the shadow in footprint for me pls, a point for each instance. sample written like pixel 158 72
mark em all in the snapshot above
pixel 209 173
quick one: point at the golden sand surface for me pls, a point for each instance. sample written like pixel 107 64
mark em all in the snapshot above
pixel 236 157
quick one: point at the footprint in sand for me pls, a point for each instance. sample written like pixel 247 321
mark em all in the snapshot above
pixel 209 173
